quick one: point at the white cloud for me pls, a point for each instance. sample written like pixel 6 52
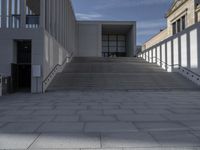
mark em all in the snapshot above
pixel 160 23
pixel 89 16
pixel 150 27
pixel 129 3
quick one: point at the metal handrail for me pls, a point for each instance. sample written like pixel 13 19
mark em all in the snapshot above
pixel 174 65
pixel 68 57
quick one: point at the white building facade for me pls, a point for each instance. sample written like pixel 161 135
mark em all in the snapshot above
pixel 38 37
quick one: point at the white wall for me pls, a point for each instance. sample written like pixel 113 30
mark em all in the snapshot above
pixel 131 42
pixel 54 54
pixel 89 40
pixel 56 49
pixel 8 54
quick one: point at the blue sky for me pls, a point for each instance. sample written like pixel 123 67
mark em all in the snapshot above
pixel 149 14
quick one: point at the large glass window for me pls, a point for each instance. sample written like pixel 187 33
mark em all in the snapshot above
pixel 114 45
pixel 179 25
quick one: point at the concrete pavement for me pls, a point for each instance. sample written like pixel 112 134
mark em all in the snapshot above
pixel 101 120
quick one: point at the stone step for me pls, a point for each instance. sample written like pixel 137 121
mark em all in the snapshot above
pixel 117 74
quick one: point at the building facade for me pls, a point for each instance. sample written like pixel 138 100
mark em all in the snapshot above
pixel 110 39
pixel 181 15
pixel 38 37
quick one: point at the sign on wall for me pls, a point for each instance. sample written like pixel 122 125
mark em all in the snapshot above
pixel 36 71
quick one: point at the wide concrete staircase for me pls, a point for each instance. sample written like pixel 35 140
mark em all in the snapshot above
pixel 117 74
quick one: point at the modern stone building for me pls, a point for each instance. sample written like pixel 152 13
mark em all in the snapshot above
pixel 181 15
pixel 38 37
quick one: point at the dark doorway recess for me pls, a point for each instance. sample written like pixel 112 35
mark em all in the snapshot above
pixel 114 45
pixel 21 70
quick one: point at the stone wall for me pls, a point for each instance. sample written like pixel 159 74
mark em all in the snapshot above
pixel 187 9
pixel 156 39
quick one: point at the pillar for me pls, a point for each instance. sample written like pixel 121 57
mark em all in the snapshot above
pixel 172 51
pixel 198 46
pixel 4 16
pixel 188 50
pixel 179 50
pixel 166 57
pixel 42 13
pixel 23 13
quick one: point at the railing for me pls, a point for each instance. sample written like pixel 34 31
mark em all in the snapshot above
pixel 32 21
pixel 181 51
pixel 178 68
pixel 55 70
pixel 13 21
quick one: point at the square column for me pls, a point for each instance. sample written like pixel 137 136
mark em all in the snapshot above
pixel 42 13
pixel 23 13
pixel 198 47
pixel 4 16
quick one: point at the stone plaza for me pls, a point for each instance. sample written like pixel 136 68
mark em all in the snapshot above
pixel 128 120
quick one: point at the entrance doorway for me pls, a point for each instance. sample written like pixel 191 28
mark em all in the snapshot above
pixel 117 40
pixel 21 70
pixel 114 45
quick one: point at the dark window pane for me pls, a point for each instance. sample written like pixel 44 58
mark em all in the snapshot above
pixel 183 23
pixel 174 27
pixel 179 25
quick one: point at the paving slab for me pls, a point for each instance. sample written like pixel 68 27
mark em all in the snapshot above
pixel 16 141
pixel 160 126
pixel 104 107
pixel 61 127
pixel 110 127
pixel 70 107
pixel 105 149
pixel 27 118
pixel 140 117
pixel 51 107
pixel 54 112
pixel 20 128
pixel 165 148
pixel 118 111
pixel 17 112
pixel 97 118
pixel 151 111
pixel 186 110
pixel 128 140
pixel 182 117
pixel 61 141
pixel 89 112
pixel 68 118
pixel 1 124
pixel 196 133
pixel 194 125
pixel 176 138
